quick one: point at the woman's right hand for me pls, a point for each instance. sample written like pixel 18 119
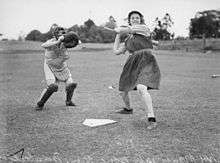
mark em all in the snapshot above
pixel 118 30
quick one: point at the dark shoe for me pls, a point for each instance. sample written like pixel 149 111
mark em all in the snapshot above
pixel 70 103
pixel 125 111
pixel 49 91
pixel 152 123
pixel 39 107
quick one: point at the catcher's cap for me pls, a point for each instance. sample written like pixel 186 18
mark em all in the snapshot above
pixel 56 30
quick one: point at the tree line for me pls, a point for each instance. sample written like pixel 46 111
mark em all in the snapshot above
pixel 205 23
pixel 90 32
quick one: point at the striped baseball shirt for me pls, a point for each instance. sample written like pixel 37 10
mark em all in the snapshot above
pixel 55 57
pixel 141 29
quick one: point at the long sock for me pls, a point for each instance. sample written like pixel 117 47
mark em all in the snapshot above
pixel 146 99
pixel 47 93
pixel 69 91
pixel 42 93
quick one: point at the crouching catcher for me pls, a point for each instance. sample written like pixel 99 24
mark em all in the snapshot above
pixel 55 66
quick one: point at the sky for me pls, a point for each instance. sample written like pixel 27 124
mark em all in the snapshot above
pixel 19 17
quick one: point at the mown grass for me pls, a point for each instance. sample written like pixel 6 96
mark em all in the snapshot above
pixel 187 108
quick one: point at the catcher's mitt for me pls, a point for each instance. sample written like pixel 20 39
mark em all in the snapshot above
pixel 70 40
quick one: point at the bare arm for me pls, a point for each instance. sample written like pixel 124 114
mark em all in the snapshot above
pixel 52 42
pixel 123 29
pixel 117 48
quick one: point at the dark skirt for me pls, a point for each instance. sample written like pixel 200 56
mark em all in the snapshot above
pixel 140 68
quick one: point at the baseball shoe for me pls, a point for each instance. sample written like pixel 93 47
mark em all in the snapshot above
pixel 70 103
pixel 125 111
pixel 152 123
pixel 39 107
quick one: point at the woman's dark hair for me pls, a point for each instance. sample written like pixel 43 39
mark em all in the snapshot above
pixel 135 12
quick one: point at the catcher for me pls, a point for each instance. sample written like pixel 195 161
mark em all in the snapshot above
pixel 55 66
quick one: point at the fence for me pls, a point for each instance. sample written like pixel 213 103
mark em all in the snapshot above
pixel 190 45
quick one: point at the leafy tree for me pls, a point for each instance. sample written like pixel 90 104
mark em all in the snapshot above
pixel 46 36
pixel 74 28
pixel 111 23
pixel 88 32
pixel 162 28
pixel 205 23
pixel 89 23
pixel 34 35
pixel 107 35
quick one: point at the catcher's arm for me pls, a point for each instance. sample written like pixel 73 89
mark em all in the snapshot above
pixel 52 42
pixel 117 49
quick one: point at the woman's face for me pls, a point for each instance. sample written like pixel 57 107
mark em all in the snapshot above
pixel 135 19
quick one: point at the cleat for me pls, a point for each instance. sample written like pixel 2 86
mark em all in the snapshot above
pixel 125 111
pixel 70 103
pixel 46 95
pixel 39 107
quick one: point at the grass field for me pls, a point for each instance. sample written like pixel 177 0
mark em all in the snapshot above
pixel 187 107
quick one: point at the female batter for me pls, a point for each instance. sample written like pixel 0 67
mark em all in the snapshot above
pixel 141 71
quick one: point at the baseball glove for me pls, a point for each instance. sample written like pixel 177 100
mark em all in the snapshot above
pixel 70 40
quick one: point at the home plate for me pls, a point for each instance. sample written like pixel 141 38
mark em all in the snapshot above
pixel 98 122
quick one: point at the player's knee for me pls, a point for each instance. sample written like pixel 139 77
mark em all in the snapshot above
pixel 71 86
pixel 123 94
pixel 69 81
pixel 51 81
pixel 53 87
pixel 142 89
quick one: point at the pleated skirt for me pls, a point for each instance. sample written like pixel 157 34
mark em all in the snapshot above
pixel 140 68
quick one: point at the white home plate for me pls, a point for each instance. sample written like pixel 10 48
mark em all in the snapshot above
pixel 97 122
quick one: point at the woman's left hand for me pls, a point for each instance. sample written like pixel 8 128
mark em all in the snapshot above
pixel 155 42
